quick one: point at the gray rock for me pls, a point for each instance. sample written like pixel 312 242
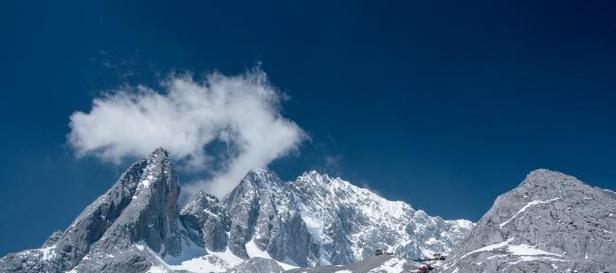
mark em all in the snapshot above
pixel 257 265
pixel 53 238
pixel 206 221
pixel 550 223
pixel 139 209
pixel 243 206
pixel 150 219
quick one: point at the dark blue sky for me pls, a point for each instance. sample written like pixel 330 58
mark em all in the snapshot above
pixel 444 104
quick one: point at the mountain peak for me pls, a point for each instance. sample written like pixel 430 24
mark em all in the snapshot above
pixel 545 173
pixel 159 152
pixel 260 177
pixel 549 179
pixel 140 208
pixel 315 177
pixel 551 222
pixel 259 171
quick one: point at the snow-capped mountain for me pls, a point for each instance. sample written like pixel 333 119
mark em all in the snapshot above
pixel 314 220
pixel 136 226
pixel 550 223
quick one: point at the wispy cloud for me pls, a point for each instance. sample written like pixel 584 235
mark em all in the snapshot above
pixel 190 118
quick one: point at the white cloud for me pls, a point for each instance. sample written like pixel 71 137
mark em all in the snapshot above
pixel 242 112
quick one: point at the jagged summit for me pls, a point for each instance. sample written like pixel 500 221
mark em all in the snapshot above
pixel 261 177
pixel 137 226
pixel 317 220
pixel 315 176
pixel 259 172
pixel 139 208
pixel 159 152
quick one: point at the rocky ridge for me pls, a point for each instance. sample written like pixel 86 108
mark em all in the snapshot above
pixel 136 226
pixel 550 223
pixel 315 220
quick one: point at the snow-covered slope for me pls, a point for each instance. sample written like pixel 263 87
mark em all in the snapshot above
pixel 368 222
pixel 315 220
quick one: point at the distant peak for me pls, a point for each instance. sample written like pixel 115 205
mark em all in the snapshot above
pixel 315 174
pixel 315 177
pixel 260 177
pixel 160 152
pixel 259 171
pixel 158 156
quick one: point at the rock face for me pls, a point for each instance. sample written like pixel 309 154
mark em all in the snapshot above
pixel 315 220
pixel 257 265
pixel 264 224
pixel 139 208
pixel 550 223
pixel 206 222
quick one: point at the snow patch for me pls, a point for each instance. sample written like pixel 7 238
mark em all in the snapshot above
pixel 187 260
pixel 523 251
pixel 145 183
pixel 154 269
pixel 48 252
pixel 526 250
pixel 530 204
pixel 394 265
pixel 314 226
pixel 210 213
pixel 431 241
pixel 254 251
pixel 488 248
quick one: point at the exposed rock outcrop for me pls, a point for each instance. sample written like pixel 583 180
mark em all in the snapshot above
pixel 550 223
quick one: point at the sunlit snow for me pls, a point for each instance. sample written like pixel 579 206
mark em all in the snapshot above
pixel 530 204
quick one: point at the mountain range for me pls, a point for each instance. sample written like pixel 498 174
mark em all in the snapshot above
pixel 550 223
pixel 264 224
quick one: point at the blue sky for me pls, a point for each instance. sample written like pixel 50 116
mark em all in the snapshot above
pixel 441 104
